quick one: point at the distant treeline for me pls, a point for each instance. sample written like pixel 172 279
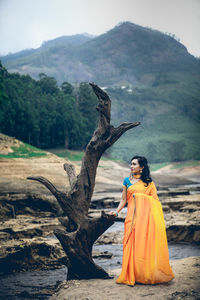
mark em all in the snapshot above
pixel 45 115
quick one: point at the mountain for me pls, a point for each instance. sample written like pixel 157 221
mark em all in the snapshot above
pixel 120 56
pixel 46 59
pixel 64 41
pixel 149 75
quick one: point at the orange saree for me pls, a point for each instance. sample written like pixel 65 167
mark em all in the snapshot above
pixel 145 248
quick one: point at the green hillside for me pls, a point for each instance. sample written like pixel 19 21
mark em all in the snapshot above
pixel 12 148
pixel 170 117
pixel 149 76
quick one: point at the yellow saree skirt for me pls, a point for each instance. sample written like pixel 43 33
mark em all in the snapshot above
pixel 145 248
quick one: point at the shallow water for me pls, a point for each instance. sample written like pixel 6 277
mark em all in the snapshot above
pixel 176 251
pixel 40 284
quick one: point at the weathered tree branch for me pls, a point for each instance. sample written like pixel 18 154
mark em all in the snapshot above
pixel 71 172
pixel 104 107
pixel 63 198
pixel 104 136
pixel 45 182
pixel 81 264
pixel 99 225
pixel 119 131
pixel 82 231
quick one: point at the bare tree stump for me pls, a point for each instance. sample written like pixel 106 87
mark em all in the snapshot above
pixel 81 231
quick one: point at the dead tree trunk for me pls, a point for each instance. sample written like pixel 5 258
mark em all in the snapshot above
pixel 82 231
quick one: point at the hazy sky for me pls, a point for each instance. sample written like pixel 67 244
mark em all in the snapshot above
pixel 27 23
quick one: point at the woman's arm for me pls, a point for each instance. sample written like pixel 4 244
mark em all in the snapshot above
pixel 121 204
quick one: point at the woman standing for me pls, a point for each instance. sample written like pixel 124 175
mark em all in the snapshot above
pixel 145 249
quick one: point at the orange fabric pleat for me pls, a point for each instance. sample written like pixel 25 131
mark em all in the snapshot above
pixel 145 248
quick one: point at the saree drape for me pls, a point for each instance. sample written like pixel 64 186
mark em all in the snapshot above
pixel 145 248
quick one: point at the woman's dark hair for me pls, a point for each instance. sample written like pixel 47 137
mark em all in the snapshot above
pixel 145 175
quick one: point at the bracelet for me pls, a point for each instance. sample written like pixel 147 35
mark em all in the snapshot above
pixel 116 214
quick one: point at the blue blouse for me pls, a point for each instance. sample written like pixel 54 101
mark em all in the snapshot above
pixel 127 182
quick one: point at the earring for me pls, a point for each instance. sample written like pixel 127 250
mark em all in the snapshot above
pixel 140 171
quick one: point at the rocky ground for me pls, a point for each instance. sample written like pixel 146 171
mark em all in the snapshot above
pixel 29 214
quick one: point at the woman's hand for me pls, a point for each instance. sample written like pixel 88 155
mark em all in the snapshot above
pixel 121 204
pixel 113 213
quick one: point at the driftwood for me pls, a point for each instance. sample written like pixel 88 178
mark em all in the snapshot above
pixel 82 231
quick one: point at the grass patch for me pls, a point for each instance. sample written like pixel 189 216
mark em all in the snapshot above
pixel 183 164
pixel 77 155
pixel 190 163
pixel 24 151
pixel 71 155
pixel 106 158
pixel 157 166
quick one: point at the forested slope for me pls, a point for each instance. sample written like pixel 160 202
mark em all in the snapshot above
pixel 42 114
pixel 150 77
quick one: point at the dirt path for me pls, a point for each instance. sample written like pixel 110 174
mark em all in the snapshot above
pixel 184 286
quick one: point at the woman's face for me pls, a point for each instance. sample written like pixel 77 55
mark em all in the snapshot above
pixel 135 167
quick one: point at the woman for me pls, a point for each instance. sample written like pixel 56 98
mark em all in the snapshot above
pixel 145 249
